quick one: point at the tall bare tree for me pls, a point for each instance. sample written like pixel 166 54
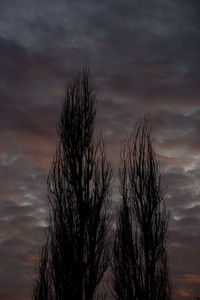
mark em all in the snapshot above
pixel 76 254
pixel 140 262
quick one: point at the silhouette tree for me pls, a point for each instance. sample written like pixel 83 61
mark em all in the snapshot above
pixel 140 262
pixel 76 253
pixel 42 283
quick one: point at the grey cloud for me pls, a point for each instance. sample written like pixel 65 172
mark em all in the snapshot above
pixel 145 58
pixel 23 206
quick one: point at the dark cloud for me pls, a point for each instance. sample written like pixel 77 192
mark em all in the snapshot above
pixel 145 58
pixel 22 217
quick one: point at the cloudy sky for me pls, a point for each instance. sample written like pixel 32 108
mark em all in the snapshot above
pixel 145 57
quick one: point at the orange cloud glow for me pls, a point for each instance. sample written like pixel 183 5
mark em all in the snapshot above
pixel 191 278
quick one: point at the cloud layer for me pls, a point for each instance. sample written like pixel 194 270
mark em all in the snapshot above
pixel 145 59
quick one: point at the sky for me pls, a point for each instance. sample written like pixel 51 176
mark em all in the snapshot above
pixel 145 58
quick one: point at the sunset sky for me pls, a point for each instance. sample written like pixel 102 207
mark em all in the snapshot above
pixel 145 58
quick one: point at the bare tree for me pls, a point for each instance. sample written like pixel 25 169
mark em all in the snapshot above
pixel 76 254
pixel 41 282
pixel 140 262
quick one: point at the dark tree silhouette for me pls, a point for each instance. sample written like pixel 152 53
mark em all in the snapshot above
pixel 42 283
pixel 76 254
pixel 140 262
